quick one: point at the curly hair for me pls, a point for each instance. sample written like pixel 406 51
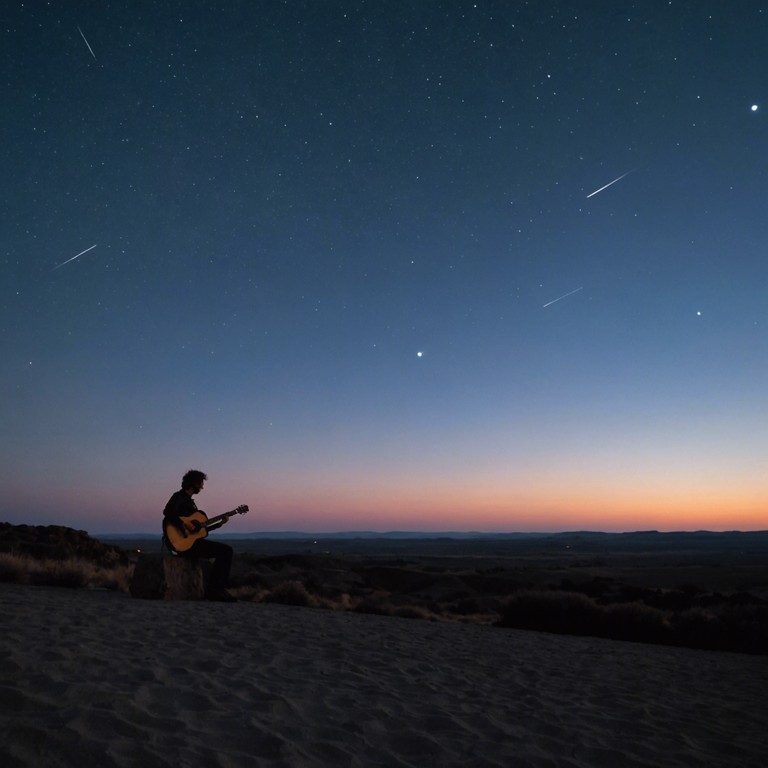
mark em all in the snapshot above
pixel 192 477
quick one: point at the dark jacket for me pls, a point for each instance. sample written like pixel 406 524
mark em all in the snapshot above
pixel 181 504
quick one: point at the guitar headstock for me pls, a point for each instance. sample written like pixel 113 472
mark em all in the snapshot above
pixel 241 510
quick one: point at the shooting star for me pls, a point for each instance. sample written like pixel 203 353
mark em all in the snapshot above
pixel 592 194
pixel 87 43
pixel 564 296
pixel 74 257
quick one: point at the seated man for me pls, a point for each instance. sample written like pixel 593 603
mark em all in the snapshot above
pixel 180 506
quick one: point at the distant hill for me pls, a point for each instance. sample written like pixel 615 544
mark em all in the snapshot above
pixel 343 535
pixel 57 542
pixel 754 542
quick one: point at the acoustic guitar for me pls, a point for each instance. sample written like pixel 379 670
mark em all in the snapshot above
pixel 179 542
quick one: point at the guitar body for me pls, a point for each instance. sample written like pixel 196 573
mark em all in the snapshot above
pixel 177 540
pixel 179 543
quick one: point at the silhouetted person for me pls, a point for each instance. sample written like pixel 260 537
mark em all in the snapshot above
pixel 180 506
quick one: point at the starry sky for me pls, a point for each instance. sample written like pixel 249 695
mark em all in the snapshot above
pixel 492 265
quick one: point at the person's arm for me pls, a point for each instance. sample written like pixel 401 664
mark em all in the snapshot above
pixel 223 521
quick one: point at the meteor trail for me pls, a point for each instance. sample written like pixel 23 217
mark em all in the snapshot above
pixel 592 194
pixel 87 43
pixel 74 257
pixel 564 296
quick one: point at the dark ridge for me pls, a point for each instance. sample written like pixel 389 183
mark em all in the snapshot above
pixel 57 542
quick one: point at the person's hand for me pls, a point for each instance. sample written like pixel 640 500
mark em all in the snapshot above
pixel 225 519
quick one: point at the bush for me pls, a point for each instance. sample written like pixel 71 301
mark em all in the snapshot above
pixel 559 612
pixel 14 568
pixel 64 573
pixel 373 605
pixel 738 625
pixel 740 628
pixel 636 622
pixel 292 593
pixel 572 613
pixel 465 607
pixel 412 612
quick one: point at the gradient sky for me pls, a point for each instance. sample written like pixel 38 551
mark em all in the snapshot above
pixel 326 244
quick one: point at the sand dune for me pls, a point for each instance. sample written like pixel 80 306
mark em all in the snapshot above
pixel 89 677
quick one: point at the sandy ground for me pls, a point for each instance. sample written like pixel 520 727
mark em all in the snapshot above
pixel 93 677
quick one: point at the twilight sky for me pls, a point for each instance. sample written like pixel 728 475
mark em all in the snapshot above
pixel 351 260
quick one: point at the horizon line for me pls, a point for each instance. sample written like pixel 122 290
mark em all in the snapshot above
pixel 449 533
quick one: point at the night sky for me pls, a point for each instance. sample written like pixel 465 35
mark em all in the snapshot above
pixel 351 260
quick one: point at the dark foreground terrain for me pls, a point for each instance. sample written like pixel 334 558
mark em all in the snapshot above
pixel 702 590
pixel 705 590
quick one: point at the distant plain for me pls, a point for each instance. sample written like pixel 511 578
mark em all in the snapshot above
pixel 706 590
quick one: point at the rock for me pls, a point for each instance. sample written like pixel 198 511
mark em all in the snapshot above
pixel 165 577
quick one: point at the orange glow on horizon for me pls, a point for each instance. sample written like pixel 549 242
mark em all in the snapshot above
pixel 532 502
pixel 519 511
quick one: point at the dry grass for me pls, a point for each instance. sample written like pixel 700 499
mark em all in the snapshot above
pixel 292 592
pixel 73 572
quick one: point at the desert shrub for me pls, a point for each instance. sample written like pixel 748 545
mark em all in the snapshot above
pixel 373 605
pixel 343 602
pixel 412 612
pixel 117 578
pixel 291 593
pixel 635 621
pixel 746 627
pixel 695 627
pixel 560 612
pixel 629 593
pixel 248 593
pixel 243 573
pixel 745 598
pixel 599 587
pixel 576 614
pixel 70 573
pixel 741 628
pixel 14 568
pixel 465 607
pixel 709 600
pixel 670 599
pixel 740 625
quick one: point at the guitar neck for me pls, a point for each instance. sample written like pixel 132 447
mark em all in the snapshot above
pixel 211 520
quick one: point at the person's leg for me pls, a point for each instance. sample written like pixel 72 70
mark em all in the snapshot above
pixel 222 563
